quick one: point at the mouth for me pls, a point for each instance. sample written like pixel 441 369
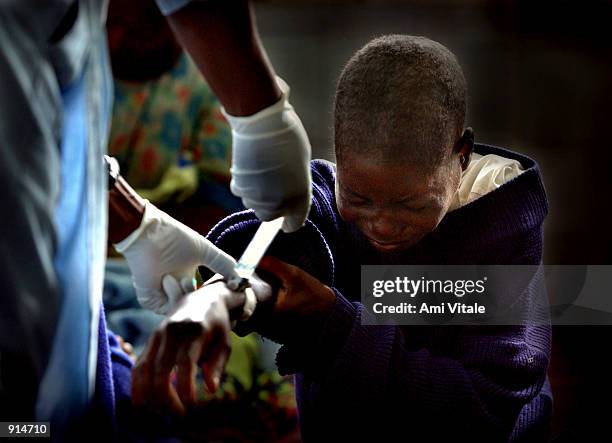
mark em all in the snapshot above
pixel 388 246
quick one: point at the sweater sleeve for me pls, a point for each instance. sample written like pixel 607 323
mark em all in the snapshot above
pixel 477 388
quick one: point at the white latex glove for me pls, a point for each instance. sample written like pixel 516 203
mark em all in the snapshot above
pixel 262 291
pixel 271 163
pixel 162 245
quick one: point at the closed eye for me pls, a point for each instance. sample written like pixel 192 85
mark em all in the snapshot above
pixel 413 207
pixel 355 199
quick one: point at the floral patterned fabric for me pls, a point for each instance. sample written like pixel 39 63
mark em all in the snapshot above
pixel 169 124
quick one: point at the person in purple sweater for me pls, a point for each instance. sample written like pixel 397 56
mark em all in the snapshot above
pixel 410 186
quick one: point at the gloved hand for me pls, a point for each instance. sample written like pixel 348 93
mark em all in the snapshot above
pixel 271 163
pixel 162 245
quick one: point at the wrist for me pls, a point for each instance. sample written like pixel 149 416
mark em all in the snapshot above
pixel 268 119
pixel 234 301
pixel 126 210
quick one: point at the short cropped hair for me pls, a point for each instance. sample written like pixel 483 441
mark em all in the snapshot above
pixel 400 97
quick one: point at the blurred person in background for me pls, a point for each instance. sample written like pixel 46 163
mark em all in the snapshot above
pixel 59 362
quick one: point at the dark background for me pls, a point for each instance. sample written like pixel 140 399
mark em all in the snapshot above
pixel 539 74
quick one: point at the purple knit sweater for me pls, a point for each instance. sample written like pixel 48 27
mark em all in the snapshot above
pixel 433 383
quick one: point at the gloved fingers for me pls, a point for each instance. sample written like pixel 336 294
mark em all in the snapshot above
pixel 215 259
pixel 292 224
pixel 271 164
pixel 296 215
pixel 295 209
pixel 265 211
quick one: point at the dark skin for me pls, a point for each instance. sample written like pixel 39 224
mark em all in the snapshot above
pixel 302 300
pixel 125 209
pixel 222 39
pixel 196 335
pixel 140 41
pixel 395 205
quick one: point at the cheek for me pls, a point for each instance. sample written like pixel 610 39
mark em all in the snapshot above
pixel 416 225
pixel 350 214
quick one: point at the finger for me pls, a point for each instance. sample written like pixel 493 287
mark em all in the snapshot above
pixel 292 224
pixel 142 373
pixel 216 259
pixel 284 271
pixel 217 354
pixel 164 394
pixel 297 217
pixel 186 371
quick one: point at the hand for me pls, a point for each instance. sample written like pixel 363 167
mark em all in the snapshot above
pixel 271 163
pixel 302 302
pixel 196 332
pixel 234 300
pixel 162 245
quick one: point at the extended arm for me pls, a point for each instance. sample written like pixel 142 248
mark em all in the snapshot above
pixel 156 245
pixel 271 150
pixel 222 39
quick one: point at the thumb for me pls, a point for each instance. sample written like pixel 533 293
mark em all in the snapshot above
pixel 283 271
pixel 297 219
pixel 292 224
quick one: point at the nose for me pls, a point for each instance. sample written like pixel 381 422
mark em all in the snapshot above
pixel 383 227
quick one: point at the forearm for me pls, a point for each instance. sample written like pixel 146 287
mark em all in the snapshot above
pixel 223 41
pixel 126 209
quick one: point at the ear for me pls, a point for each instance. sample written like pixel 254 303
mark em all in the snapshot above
pixel 465 146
